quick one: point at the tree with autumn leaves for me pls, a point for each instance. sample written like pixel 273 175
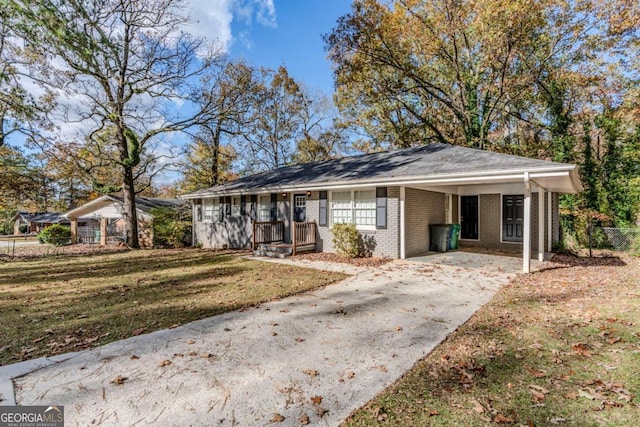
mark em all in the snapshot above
pixel 552 79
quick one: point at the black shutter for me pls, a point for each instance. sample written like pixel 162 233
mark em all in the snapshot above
pixel 227 206
pixel 323 211
pixel 198 210
pixel 221 209
pixel 274 207
pixel 243 205
pixel 381 207
pixel 254 207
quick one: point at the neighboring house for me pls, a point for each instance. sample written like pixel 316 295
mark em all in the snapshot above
pixel 393 197
pixel 102 220
pixel 36 222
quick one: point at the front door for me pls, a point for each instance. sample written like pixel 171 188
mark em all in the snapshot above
pixel 469 217
pixel 512 218
pixel 299 207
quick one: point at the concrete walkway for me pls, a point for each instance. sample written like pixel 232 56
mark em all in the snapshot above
pixel 316 356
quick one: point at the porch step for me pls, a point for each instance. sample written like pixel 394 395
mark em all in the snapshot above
pixel 274 250
pixel 270 254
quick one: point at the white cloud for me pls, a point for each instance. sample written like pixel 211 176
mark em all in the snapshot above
pixel 213 18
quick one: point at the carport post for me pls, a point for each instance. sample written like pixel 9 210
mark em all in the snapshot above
pixel 403 253
pixel 549 221
pixel 526 243
pixel 540 224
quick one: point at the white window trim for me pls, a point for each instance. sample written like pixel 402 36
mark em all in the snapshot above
pixel 353 210
pixel 260 209
pixel 460 215
pixel 215 212
pixel 235 208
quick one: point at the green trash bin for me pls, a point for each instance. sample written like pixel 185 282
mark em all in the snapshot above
pixel 439 237
pixel 455 236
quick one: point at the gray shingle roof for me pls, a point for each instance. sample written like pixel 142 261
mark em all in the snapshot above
pixel 145 204
pixel 425 160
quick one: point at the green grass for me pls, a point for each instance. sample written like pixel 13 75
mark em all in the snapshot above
pixel 559 347
pixel 66 303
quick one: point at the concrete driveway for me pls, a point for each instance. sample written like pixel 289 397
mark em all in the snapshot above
pixel 315 357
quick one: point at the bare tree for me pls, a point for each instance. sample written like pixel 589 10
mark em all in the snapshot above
pixel 129 68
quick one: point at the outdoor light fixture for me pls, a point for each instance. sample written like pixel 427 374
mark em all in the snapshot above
pixel 308 193
pixel 284 195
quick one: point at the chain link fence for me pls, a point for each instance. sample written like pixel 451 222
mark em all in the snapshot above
pixel 623 239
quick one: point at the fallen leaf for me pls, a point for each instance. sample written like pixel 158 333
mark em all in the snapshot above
pixel 316 400
pixel 539 388
pixel 134 357
pixel 320 411
pixel 298 339
pixel 501 419
pixel 398 328
pixel 433 413
pixel 138 331
pixel 191 342
pixel 311 372
pixel 304 419
pixel 477 406
pixel 537 396
pixel 119 380
pixel 586 395
pixel 557 420
pixel 165 362
pixel 277 418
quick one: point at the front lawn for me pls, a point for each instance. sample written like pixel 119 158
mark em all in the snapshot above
pixel 558 347
pixel 67 303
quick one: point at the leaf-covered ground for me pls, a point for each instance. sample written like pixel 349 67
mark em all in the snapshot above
pixel 558 347
pixel 66 303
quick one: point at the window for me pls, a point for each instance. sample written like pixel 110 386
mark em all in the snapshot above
pixel 341 207
pixel 365 207
pixel 211 210
pixel 300 201
pixel 358 207
pixel 235 206
pixel 264 209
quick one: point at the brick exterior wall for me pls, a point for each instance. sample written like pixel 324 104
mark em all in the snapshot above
pixel 421 209
pixel 490 224
pixel 387 241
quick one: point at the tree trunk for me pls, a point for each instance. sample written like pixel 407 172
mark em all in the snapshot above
pixel 130 213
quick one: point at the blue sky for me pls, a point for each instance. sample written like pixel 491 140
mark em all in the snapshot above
pixel 271 33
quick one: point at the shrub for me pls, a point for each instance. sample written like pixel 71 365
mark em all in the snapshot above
pixel 171 227
pixel 23 228
pixel 346 240
pixel 55 234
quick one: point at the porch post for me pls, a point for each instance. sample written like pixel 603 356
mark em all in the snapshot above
pixel 541 193
pixel 74 231
pixel 103 231
pixel 526 243
pixel 403 253
pixel 549 222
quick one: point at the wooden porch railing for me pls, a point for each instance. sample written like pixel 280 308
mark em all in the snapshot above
pixel 304 234
pixel 267 232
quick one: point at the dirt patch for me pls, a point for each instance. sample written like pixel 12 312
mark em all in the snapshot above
pixel 330 257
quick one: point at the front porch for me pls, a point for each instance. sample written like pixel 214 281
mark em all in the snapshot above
pixel 268 238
